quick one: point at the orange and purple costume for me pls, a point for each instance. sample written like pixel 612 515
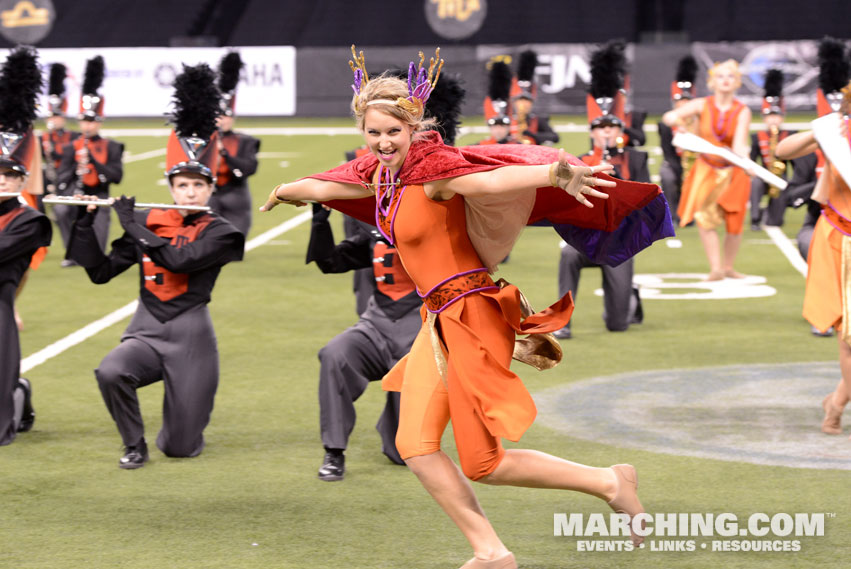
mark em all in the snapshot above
pixel 714 191
pixel 458 366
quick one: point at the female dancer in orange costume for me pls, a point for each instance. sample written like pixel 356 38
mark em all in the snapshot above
pixel 828 278
pixel 714 191
pixel 458 367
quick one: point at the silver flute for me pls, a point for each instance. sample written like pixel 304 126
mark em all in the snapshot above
pixel 75 200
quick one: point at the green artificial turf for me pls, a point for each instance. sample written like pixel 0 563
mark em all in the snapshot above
pixel 252 499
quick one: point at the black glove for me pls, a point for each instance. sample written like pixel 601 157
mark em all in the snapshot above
pixel 320 213
pixel 84 218
pixel 125 209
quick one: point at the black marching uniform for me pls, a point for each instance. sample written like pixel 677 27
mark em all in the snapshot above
pixel 366 351
pixel 22 231
pixel 171 336
pixel 774 212
pixel 671 170
pixel 232 198
pixel 104 168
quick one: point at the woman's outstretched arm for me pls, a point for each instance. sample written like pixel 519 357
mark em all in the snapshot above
pixel 796 145
pixel 311 189
pixel 578 181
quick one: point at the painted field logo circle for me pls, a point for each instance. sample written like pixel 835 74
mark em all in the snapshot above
pixel 767 414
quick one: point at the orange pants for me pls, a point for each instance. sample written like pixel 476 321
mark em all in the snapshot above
pixel 427 404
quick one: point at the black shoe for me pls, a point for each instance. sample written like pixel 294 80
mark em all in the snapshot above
pixel 333 467
pixel 563 334
pixel 28 416
pixel 68 263
pixel 135 456
pixel 816 332
pixel 635 307
pixel 755 227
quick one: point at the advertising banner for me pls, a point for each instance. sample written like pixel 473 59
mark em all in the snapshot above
pixel 139 81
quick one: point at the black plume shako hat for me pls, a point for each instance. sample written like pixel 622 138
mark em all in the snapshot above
pixel 605 101
pixel 192 145
pixel 772 101
pixel 57 102
pixel 833 75
pixel 229 68
pixel 524 86
pixel 20 87
pixel 684 86
pixel 499 90
pixel 91 101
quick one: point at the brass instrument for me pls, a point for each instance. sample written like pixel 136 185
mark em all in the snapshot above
pixel 777 167
pixel 82 168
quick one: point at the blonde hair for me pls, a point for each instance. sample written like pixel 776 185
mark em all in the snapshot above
pixel 382 94
pixel 845 106
pixel 734 67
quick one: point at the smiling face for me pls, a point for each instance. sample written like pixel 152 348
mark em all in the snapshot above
pixel 190 189
pixel 388 138
pixel 10 181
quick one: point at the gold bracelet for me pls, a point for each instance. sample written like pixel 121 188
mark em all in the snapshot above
pixel 553 169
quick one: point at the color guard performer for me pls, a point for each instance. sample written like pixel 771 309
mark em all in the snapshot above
pixel 90 163
pixel 22 229
pixel 180 254
pixel 605 107
pixel 716 192
pixel 232 198
pixel 677 162
pixel 764 147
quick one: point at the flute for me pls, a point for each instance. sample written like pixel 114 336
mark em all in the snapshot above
pixel 72 200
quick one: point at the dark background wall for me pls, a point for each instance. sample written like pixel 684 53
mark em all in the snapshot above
pixel 313 23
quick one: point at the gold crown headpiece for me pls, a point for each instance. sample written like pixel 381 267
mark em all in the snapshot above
pixel 421 80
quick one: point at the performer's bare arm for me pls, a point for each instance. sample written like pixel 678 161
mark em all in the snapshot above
pixel 742 136
pixel 796 145
pixel 578 181
pixel 676 116
pixel 311 189
pixel 821 192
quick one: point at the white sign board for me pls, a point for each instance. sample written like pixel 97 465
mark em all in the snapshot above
pixel 139 80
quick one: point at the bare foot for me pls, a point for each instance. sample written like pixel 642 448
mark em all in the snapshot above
pixel 733 274
pixel 715 276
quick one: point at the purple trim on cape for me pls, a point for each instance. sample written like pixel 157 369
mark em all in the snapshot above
pixel 637 231
pixel 447 279
pixel 836 227
pixel 460 296
pixel 392 237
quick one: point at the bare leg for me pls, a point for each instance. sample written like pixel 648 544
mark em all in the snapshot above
pixel 712 247
pixel 453 492
pixel 731 250
pixel 843 390
pixel 534 469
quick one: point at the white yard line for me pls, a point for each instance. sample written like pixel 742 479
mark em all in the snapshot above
pixel 127 158
pixel 127 310
pixel 787 248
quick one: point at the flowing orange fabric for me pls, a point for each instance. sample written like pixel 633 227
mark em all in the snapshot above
pixel 712 181
pixel 823 296
pixel 477 331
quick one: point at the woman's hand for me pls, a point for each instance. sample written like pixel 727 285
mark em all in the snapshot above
pixel 275 200
pixel 579 181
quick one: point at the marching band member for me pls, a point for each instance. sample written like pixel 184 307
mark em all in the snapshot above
pixel 677 162
pixel 180 254
pixel 715 192
pixel 497 105
pixel 232 198
pixel 528 126
pixel 23 230
pixel 56 137
pixel 90 163
pixel 609 146
pixel 764 147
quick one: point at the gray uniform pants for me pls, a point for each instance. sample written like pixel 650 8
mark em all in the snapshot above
pixel 353 358
pixel 182 352
pixel 671 182
pixel 617 286
pixel 10 366
pixel 66 214
pixel 234 204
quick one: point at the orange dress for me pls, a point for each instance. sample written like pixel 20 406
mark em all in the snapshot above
pixel 471 336
pixel 823 304
pixel 714 191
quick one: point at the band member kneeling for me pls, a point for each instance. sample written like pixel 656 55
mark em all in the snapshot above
pixel 180 254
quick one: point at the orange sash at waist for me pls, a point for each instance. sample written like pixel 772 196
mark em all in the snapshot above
pixel 455 287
